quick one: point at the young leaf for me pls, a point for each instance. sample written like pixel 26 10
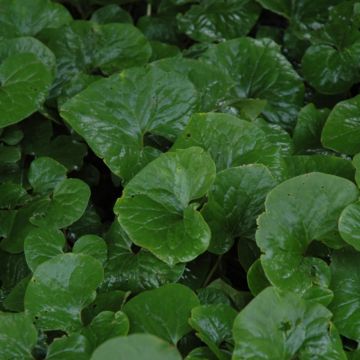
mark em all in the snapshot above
pixel 60 288
pixel 92 245
pixel 163 312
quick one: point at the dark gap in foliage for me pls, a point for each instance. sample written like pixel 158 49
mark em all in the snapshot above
pixel 349 344
pixel 231 268
pixel 157 141
pixel 269 18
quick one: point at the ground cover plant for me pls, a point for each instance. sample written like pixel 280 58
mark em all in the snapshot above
pixel 179 179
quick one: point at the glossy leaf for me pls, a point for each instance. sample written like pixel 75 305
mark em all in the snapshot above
pixel 163 312
pixel 133 271
pixel 42 244
pixel 293 328
pixel 60 288
pixel 17 336
pixel 342 127
pixel 29 17
pixel 230 141
pixel 219 20
pixel 24 84
pixel 71 347
pixel 168 224
pixel 235 200
pixel 115 123
pixel 213 324
pixel 106 325
pixel 132 348
pixel 273 79
pixel 92 245
pixel 345 285
pixel 44 175
pixel 298 211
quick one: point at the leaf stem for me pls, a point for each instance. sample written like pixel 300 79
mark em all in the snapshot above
pixel 212 271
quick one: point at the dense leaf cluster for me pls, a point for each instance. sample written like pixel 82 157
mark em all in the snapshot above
pixel 179 179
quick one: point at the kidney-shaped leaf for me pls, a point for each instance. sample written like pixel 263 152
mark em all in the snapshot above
pixel 349 225
pixel 136 347
pixel 60 288
pixel 114 114
pixel 163 312
pixel 282 326
pixel 298 211
pixel 271 77
pixel 157 209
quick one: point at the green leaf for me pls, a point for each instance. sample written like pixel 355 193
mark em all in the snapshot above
pixel 272 77
pixel 29 17
pixel 92 245
pixel 108 301
pixel 12 195
pixel 349 225
pixel 213 324
pixel 230 141
pixel 346 286
pixel 45 174
pixel 68 202
pixel 256 278
pixel 134 271
pixel 111 13
pixel 342 127
pixel 162 50
pixel 303 164
pixel 156 208
pixel 330 65
pixel 60 288
pixel 211 82
pixel 15 299
pixel 113 115
pixel 305 16
pixel 106 325
pixel 132 348
pixel 28 45
pixel 201 353
pixel 24 84
pixel 216 20
pixel 163 312
pixel 84 46
pixel 298 211
pixel 308 128
pixel 234 201
pixel 73 347
pixel 17 336
pixel 293 328
pixel 42 244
